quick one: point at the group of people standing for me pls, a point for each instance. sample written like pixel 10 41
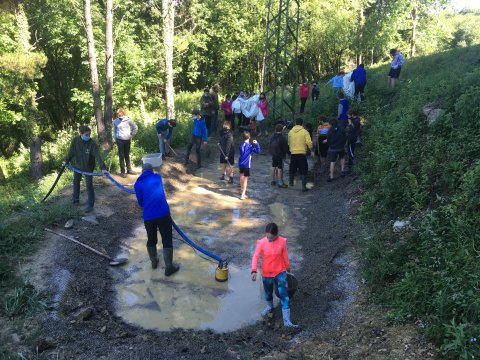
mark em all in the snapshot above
pixel 330 140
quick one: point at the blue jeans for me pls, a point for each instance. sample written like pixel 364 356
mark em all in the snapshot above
pixel 282 284
pixel 76 188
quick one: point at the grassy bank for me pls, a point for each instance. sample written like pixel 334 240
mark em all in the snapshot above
pixel 428 174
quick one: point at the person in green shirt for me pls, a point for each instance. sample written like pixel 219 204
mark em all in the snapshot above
pixel 84 151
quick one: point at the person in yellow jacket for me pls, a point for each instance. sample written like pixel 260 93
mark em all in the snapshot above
pixel 299 141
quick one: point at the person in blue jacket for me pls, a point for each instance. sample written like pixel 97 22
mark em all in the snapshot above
pixel 164 132
pixel 199 132
pixel 343 106
pixel 245 161
pixel 156 215
pixel 359 78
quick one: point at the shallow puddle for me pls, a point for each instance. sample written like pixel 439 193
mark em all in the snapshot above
pixel 211 214
pixel 190 299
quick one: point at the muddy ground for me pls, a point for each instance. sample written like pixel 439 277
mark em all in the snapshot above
pixel 337 321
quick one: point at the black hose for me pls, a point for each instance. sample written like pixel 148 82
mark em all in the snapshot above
pixel 55 183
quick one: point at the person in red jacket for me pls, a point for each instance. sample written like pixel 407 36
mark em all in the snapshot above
pixel 263 106
pixel 227 111
pixel 275 265
pixel 304 92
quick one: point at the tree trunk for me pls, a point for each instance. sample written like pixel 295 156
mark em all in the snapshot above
pixel 36 157
pixel 168 14
pixel 414 31
pixel 360 35
pixel 107 144
pixel 92 60
pixel 2 174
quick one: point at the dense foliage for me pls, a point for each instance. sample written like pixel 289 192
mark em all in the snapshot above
pixel 429 174
pixel 46 87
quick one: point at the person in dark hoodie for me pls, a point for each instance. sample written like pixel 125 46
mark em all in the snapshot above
pixel 343 106
pixel 199 132
pixel 164 129
pixel 84 151
pixel 278 148
pixel 299 141
pixel 227 155
pixel 156 215
pixel 336 139
pixel 206 107
pixel 359 78
pixel 353 134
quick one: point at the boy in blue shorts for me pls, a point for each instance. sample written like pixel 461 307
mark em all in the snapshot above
pixel 245 161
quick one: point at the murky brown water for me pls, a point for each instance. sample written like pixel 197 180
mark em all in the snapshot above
pixel 190 299
pixel 212 215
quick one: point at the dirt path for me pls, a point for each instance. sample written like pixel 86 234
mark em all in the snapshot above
pixel 88 321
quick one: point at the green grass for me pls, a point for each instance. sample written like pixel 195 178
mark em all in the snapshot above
pixel 429 174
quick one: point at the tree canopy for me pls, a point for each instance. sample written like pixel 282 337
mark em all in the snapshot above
pixel 44 61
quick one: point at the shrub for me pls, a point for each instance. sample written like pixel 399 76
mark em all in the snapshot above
pixel 429 174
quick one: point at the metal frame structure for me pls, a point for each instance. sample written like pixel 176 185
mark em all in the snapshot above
pixel 280 63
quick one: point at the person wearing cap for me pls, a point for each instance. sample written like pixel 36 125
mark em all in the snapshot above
pixel 206 107
pixel 156 216
pixel 164 129
pixel 84 151
pixel 199 132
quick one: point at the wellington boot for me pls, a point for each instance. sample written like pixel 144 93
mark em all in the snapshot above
pixel 152 253
pixel 286 319
pixel 268 308
pixel 170 267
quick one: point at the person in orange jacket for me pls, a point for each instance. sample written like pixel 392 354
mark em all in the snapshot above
pixel 275 265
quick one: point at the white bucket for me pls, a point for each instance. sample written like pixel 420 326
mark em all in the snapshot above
pixel 154 159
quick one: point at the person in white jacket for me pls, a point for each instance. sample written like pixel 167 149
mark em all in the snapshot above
pixel 124 129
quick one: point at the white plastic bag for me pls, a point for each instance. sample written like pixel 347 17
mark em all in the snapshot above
pixel 348 86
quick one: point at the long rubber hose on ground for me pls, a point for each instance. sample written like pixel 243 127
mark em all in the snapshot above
pixel 195 246
pixel 180 232
pixel 55 183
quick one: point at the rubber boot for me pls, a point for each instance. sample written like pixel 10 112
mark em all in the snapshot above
pixel 291 181
pixel 152 253
pixel 170 267
pixel 268 308
pixel 304 183
pixel 286 319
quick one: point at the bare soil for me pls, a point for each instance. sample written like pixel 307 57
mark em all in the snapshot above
pixel 332 306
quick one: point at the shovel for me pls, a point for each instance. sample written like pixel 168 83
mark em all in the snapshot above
pixel 225 156
pixel 113 262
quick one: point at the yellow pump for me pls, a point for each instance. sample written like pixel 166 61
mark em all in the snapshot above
pixel 221 273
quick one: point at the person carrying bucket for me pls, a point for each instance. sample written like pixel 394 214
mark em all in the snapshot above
pixel 156 215
pixel 275 265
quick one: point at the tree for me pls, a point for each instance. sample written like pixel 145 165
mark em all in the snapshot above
pixel 168 16
pixel 107 142
pixel 92 60
pixel 20 66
